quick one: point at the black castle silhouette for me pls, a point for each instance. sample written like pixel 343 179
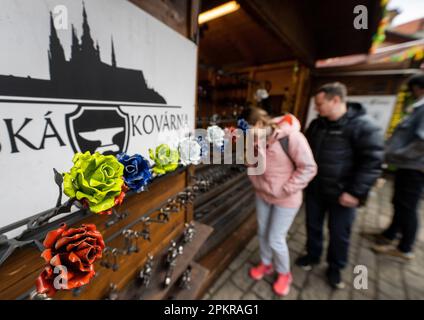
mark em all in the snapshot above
pixel 84 76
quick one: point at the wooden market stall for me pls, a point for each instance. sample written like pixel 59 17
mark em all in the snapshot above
pixel 270 45
pixel 375 77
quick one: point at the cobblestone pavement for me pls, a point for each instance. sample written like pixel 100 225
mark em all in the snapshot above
pixel 388 278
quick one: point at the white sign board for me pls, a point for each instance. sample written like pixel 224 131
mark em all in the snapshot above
pixel 98 75
pixel 379 107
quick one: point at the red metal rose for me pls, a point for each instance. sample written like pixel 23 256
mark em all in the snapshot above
pixel 231 133
pixel 75 249
pixel 119 199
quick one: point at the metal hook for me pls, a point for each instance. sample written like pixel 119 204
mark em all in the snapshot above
pixel 127 234
pixel 189 232
pixel 34 295
pixel 185 282
pixel 145 233
pixel 146 273
pixel 164 214
pixel 105 262
pixel 116 217
pixel 171 259
pixel 133 241
pixel 113 292
pixel 115 265
pixel 173 205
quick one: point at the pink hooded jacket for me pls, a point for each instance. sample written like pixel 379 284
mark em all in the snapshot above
pixel 283 181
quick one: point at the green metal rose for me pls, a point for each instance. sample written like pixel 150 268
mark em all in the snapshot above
pixel 96 180
pixel 165 158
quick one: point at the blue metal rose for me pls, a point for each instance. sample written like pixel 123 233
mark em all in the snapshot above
pixel 204 146
pixel 137 174
pixel 223 146
pixel 243 125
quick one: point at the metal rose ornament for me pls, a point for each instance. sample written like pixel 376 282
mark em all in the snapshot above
pixel 232 134
pixel 165 159
pixel 96 181
pixel 243 125
pixel 137 174
pixel 69 254
pixel 190 151
pixel 216 136
pixel 204 147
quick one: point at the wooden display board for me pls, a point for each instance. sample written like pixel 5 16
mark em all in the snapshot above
pixel 19 272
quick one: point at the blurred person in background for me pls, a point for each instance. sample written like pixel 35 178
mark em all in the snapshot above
pixel 348 148
pixel 405 150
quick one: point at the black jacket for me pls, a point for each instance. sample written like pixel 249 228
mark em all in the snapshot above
pixel 349 153
pixel 405 148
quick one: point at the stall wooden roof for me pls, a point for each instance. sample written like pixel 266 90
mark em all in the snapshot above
pixel 266 31
pixel 379 60
pixel 238 40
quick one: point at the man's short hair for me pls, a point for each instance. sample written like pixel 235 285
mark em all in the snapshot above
pixel 416 80
pixel 332 90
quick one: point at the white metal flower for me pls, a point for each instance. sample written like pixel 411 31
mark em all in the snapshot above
pixel 190 151
pixel 216 136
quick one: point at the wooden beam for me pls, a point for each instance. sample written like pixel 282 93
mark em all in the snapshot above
pixel 193 25
pixel 302 94
pixel 264 67
pixel 173 13
pixel 289 21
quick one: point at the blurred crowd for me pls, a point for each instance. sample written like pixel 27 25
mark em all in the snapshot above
pixel 334 165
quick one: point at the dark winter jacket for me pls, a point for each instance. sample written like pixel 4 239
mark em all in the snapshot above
pixel 405 149
pixel 349 153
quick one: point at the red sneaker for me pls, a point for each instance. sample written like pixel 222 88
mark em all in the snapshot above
pixel 258 272
pixel 282 284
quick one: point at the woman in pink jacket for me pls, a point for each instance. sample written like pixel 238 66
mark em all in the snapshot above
pixel 289 167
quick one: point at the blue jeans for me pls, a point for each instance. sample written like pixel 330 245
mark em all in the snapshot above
pixel 273 225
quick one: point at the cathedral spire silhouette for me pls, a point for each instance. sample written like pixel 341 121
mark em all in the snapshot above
pixel 87 43
pixel 113 54
pixel 97 50
pixel 56 53
pixel 84 75
pixel 75 46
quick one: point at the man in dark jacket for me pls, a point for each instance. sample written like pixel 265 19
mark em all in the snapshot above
pixel 348 148
pixel 405 150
